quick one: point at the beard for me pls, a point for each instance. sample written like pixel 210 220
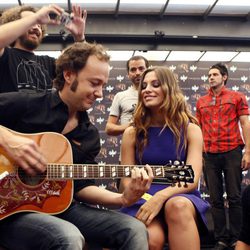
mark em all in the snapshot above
pixel 136 81
pixel 29 44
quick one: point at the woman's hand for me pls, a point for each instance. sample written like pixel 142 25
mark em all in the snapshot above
pixel 150 209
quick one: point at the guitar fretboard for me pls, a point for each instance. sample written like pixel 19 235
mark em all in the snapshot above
pixel 79 171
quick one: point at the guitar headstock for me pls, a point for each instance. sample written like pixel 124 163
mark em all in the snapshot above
pixel 178 172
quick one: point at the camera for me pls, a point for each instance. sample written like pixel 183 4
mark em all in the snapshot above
pixel 65 18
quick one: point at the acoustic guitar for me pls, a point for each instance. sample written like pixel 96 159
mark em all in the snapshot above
pixel 52 192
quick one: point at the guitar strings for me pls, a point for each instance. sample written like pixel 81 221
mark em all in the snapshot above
pixel 95 172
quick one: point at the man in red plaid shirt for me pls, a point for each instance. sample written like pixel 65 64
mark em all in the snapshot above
pixel 219 114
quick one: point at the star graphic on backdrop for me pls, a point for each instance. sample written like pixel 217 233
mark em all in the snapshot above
pixel 244 78
pixel 120 78
pixel 100 120
pixel 235 88
pixel 99 99
pixel 102 141
pixel 183 78
pixel 112 153
pixel 204 78
pixel 193 68
pixel 172 67
pixel 195 88
pixel 109 88
pixel 233 68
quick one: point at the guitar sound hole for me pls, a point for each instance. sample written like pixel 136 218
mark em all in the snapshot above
pixel 30 180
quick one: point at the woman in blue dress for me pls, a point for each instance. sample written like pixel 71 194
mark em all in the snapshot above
pixel 165 130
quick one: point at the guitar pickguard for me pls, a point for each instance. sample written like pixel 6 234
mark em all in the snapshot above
pixel 15 194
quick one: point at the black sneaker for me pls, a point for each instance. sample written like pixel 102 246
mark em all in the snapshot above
pixel 220 246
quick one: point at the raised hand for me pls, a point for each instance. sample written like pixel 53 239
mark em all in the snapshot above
pixel 43 17
pixel 78 24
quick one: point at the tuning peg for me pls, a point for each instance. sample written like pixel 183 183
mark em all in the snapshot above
pixel 185 185
pixel 176 163
pixel 179 184
pixel 174 177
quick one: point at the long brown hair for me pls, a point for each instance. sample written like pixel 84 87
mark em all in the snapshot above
pixel 174 109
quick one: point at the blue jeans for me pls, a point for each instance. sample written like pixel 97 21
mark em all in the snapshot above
pixel 104 228
pixel 229 164
pixel 29 231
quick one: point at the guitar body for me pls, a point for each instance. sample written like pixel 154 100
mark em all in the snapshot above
pixel 22 193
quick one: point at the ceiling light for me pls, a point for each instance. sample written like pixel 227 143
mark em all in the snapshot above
pixel 191 2
pixel 143 2
pixel 233 3
pixel 184 55
pixel 43 2
pixel 242 57
pixel 55 53
pixel 9 2
pixel 120 55
pixel 222 56
pixel 153 55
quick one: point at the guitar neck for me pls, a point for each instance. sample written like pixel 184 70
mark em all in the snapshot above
pixel 86 171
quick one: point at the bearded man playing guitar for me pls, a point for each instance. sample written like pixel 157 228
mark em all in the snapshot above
pixel 63 218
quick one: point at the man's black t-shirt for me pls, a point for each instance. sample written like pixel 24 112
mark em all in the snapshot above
pixel 24 71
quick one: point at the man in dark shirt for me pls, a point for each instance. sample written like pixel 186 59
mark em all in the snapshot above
pixel 23 28
pixel 81 72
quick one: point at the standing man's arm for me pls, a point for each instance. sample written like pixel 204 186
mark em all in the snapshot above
pixel 245 125
pixel 113 128
pixel 21 26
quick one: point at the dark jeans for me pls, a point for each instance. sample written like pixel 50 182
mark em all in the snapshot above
pixel 245 230
pixel 29 231
pixel 229 165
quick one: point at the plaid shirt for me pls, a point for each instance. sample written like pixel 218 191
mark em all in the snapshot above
pixel 219 119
